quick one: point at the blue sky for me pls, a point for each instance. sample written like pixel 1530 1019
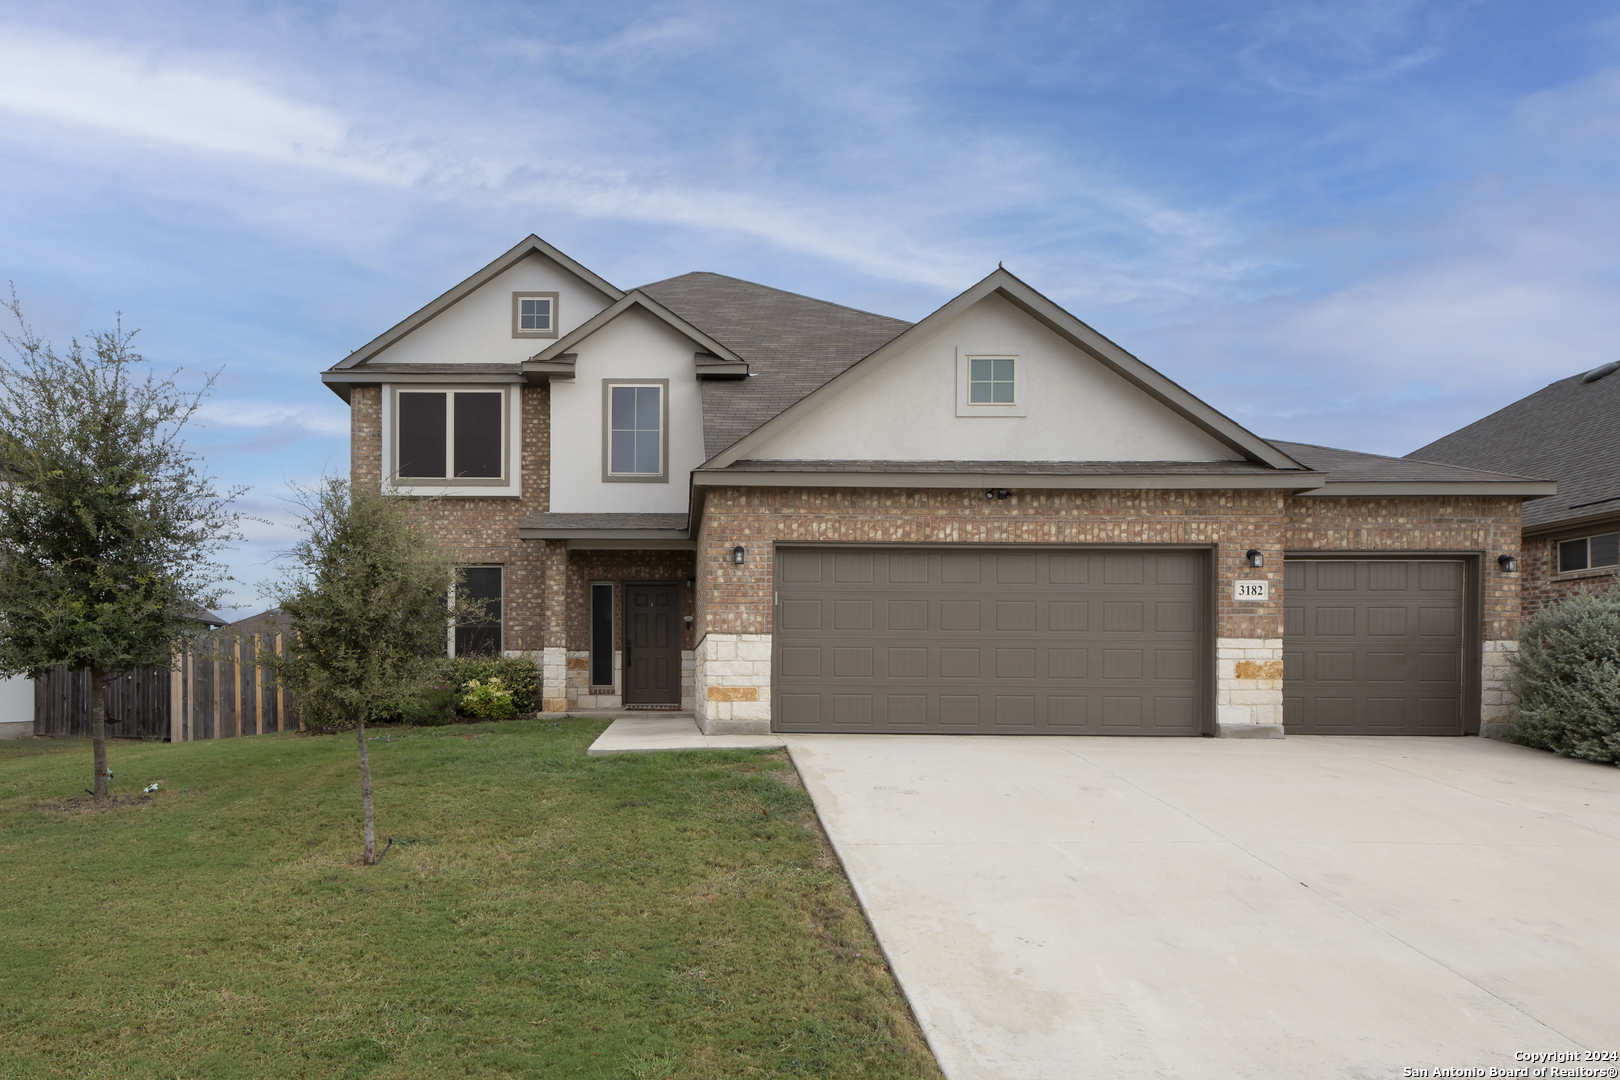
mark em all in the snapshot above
pixel 1363 225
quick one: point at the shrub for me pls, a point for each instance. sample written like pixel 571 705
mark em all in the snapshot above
pixel 435 704
pixel 517 673
pixel 488 700
pixel 1567 678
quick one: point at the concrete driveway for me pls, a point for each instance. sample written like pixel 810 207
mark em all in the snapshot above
pixel 1202 908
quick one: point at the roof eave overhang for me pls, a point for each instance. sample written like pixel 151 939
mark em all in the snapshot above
pixel 586 539
pixel 342 382
pixel 529 245
pixel 1293 482
pixel 1533 489
pixel 1565 524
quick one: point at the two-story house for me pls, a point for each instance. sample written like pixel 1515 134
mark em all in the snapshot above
pixel 780 513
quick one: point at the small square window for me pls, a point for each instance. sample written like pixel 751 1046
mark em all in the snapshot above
pixel 534 314
pixel 990 381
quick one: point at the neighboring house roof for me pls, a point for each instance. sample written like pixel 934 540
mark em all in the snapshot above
pixel 529 245
pixel 1568 431
pixel 1350 472
pixel 272 621
pixel 793 344
pixel 1007 286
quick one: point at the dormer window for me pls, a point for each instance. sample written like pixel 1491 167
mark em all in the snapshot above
pixel 534 314
pixel 635 430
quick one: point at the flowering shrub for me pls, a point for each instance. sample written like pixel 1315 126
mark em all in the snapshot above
pixel 488 700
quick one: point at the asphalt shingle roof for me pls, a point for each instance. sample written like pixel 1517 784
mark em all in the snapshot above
pixel 1014 468
pixel 1568 432
pixel 1354 467
pixel 793 344
pixel 589 522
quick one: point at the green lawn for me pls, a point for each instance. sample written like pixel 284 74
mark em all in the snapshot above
pixel 541 913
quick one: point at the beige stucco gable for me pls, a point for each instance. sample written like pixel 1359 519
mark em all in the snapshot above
pixel 477 327
pixel 910 407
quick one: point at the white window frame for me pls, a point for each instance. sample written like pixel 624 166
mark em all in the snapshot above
pixel 508 485
pixel 966 406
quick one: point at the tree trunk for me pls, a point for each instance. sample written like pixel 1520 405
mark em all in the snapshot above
pixel 365 796
pixel 98 729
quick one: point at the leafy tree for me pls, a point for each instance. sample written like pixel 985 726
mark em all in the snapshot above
pixel 368 601
pixel 1566 675
pixel 109 527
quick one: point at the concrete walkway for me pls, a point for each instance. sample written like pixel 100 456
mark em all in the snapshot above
pixel 1202 908
pixel 644 734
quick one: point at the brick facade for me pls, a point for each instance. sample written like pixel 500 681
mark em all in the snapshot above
pixel 1538 567
pixel 479 530
pixel 734 603
pixel 1488 525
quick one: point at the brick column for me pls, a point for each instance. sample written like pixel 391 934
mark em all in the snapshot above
pixel 554 627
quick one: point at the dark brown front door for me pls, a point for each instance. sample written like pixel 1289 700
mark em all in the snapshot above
pixel 652 645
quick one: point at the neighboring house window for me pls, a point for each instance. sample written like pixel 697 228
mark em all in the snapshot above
pixel 601 633
pixel 534 314
pixel 635 430
pixel 450 434
pixel 1589 552
pixel 475 637
pixel 990 380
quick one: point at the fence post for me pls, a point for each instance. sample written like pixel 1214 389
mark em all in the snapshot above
pixel 176 673
pixel 281 694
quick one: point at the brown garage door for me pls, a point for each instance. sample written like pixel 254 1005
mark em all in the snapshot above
pixel 1372 647
pixel 954 640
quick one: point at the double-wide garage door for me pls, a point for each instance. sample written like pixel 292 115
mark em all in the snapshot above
pixel 1373 646
pixel 1006 641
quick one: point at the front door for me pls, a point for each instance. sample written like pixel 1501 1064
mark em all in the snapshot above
pixel 652 644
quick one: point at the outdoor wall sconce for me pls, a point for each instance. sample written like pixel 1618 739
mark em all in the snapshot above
pixel 997 493
pixel 1508 563
pixel 691 582
pixel 689 621
pixel 738 555
pixel 1255 557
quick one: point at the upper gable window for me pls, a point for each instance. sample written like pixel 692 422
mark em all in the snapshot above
pixel 990 380
pixel 451 435
pixel 635 430
pixel 991 383
pixel 534 314
pixel 1589 553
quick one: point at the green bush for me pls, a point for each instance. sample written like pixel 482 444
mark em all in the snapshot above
pixel 518 674
pixel 1567 678
pixel 488 700
pixel 435 705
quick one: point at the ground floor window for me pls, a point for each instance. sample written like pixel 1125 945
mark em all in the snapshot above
pixel 1589 552
pixel 481 636
pixel 602 633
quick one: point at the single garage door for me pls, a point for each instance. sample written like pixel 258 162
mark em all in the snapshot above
pixel 1372 647
pixel 1004 641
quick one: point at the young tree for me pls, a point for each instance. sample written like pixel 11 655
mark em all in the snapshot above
pixel 109 527
pixel 368 597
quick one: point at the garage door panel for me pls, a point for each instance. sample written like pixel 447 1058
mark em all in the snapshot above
pixel 1373 646
pixel 852 568
pixel 994 641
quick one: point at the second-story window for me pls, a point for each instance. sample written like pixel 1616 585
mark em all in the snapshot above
pixel 534 314
pixel 450 435
pixel 635 438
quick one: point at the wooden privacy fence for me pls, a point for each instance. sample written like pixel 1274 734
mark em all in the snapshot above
pixel 217 689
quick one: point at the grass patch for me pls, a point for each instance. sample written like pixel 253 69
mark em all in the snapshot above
pixel 541 913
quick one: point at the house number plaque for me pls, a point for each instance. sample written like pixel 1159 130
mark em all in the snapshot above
pixel 1251 590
